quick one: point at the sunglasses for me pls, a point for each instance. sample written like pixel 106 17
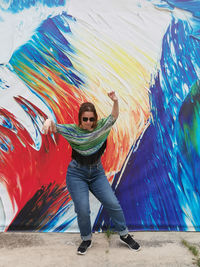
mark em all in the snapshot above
pixel 90 119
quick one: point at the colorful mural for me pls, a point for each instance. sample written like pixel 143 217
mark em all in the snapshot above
pixel 56 54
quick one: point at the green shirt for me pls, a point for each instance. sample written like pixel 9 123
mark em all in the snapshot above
pixel 83 141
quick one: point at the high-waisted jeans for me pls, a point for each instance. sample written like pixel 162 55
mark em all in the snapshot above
pixel 80 180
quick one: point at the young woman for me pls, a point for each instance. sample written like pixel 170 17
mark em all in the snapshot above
pixel 85 172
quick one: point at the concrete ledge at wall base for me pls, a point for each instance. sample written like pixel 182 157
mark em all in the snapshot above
pixel 165 249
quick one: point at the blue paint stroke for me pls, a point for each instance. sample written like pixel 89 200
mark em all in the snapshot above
pixel 160 189
pixel 16 6
pixel 47 47
pixel 192 6
pixel 3 85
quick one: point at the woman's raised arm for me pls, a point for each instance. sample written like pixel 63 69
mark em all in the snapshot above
pixel 115 109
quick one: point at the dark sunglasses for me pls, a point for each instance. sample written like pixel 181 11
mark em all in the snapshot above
pixel 90 119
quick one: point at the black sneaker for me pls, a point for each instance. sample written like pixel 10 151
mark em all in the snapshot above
pixel 132 244
pixel 82 249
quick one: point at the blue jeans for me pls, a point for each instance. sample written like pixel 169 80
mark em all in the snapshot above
pixel 80 180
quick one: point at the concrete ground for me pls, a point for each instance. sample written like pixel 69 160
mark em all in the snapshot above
pixel 163 249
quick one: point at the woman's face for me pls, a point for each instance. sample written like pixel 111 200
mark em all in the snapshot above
pixel 87 120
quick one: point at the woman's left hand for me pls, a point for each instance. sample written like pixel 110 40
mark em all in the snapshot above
pixel 112 96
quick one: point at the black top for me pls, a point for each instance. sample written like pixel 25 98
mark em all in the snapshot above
pixel 88 160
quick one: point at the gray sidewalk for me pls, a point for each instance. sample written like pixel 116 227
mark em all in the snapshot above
pixel 59 249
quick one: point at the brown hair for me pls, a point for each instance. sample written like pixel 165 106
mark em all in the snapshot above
pixel 87 106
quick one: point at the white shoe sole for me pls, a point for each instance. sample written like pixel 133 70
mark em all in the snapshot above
pixel 136 250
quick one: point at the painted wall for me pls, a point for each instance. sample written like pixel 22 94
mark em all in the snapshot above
pixel 54 55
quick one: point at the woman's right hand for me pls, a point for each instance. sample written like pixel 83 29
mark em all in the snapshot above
pixel 49 126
